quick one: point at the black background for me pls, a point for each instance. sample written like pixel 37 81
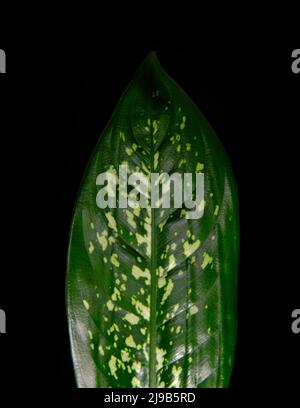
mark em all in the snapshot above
pixel 58 94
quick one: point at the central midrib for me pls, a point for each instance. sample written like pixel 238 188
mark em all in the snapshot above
pixel 153 294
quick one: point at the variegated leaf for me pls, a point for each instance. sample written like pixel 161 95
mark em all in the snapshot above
pixel 152 294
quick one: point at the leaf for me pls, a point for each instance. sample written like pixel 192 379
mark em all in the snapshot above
pixel 152 294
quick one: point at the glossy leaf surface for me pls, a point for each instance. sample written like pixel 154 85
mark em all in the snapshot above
pixel 152 294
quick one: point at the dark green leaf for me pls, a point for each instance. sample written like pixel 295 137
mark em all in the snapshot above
pixel 152 294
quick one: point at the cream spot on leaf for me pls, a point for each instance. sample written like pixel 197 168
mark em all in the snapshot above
pixel 86 304
pixel 206 260
pixel 113 366
pixel 114 260
pixel 129 341
pixel 131 318
pixel 111 221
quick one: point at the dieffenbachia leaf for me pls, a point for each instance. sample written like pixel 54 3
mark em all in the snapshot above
pixel 152 293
